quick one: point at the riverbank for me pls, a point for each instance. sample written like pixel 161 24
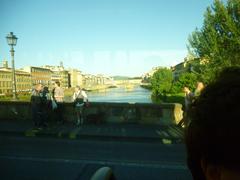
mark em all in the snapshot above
pixel 146 86
pixel 169 98
pixel 98 87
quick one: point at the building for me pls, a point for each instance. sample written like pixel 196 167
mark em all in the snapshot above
pixel 89 80
pixel 5 82
pixel 92 80
pixel 188 65
pixel 179 69
pixel 103 79
pixel 65 79
pixel 108 80
pixel 59 74
pixel 76 77
pixel 39 75
pixel 23 80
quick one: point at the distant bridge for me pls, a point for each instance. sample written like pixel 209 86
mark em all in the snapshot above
pixel 128 84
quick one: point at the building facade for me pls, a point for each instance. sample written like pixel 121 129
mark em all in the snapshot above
pixel 76 78
pixel 23 80
pixel 188 65
pixel 5 82
pixel 64 79
pixel 179 69
pixel 59 74
pixel 39 75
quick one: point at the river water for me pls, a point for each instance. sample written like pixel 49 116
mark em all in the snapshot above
pixel 136 94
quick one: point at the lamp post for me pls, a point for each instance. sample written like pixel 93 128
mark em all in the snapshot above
pixel 12 41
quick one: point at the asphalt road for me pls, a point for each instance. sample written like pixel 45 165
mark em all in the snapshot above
pixel 55 158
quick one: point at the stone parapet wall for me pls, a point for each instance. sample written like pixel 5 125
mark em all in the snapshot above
pixel 103 112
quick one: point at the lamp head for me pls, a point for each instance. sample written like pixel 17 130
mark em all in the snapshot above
pixel 11 39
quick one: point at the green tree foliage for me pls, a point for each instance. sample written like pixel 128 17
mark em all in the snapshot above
pixel 161 82
pixel 186 79
pixel 218 41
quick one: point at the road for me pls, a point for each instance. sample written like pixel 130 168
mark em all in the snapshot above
pixel 58 158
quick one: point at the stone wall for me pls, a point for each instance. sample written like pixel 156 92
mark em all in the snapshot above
pixel 102 112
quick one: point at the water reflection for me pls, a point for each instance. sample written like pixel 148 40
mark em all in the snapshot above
pixel 136 94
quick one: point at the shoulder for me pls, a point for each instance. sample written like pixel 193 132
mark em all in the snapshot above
pixel 83 92
pixel 33 92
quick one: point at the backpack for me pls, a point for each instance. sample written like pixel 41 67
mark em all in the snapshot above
pixel 79 99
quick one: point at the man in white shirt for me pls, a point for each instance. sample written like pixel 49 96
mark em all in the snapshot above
pixel 58 95
pixel 79 99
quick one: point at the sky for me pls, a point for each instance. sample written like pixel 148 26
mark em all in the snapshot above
pixel 111 37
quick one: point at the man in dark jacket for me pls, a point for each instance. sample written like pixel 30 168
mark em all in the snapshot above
pixel 37 106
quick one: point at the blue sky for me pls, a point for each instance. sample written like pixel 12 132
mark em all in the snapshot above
pixel 112 37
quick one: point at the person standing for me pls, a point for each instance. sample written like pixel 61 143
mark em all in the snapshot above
pixel 188 98
pixel 37 106
pixel 46 98
pixel 58 95
pixel 199 88
pixel 79 99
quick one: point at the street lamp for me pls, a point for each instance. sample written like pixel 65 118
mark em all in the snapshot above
pixel 12 41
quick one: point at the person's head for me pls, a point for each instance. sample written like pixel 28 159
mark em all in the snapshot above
pixel 45 89
pixel 77 88
pixel 212 137
pixel 186 89
pixel 57 84
pixel 199 86
pixel 38 87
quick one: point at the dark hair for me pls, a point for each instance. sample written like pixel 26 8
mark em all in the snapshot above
pixel 213 133
pixel 45 89
pixel 58 83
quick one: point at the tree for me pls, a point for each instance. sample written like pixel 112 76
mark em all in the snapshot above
pixel 218 41
pixel 186 79
pixel 161 82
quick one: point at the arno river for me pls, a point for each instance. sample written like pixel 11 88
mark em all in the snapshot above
pixel 133 95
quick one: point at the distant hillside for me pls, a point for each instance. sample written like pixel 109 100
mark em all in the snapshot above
pixel 135 78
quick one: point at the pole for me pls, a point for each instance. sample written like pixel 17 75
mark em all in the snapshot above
pixel 14 89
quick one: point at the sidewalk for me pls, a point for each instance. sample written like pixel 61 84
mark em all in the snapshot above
pixel 124 132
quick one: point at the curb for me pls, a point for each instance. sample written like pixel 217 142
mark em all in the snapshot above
pixel 75 136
